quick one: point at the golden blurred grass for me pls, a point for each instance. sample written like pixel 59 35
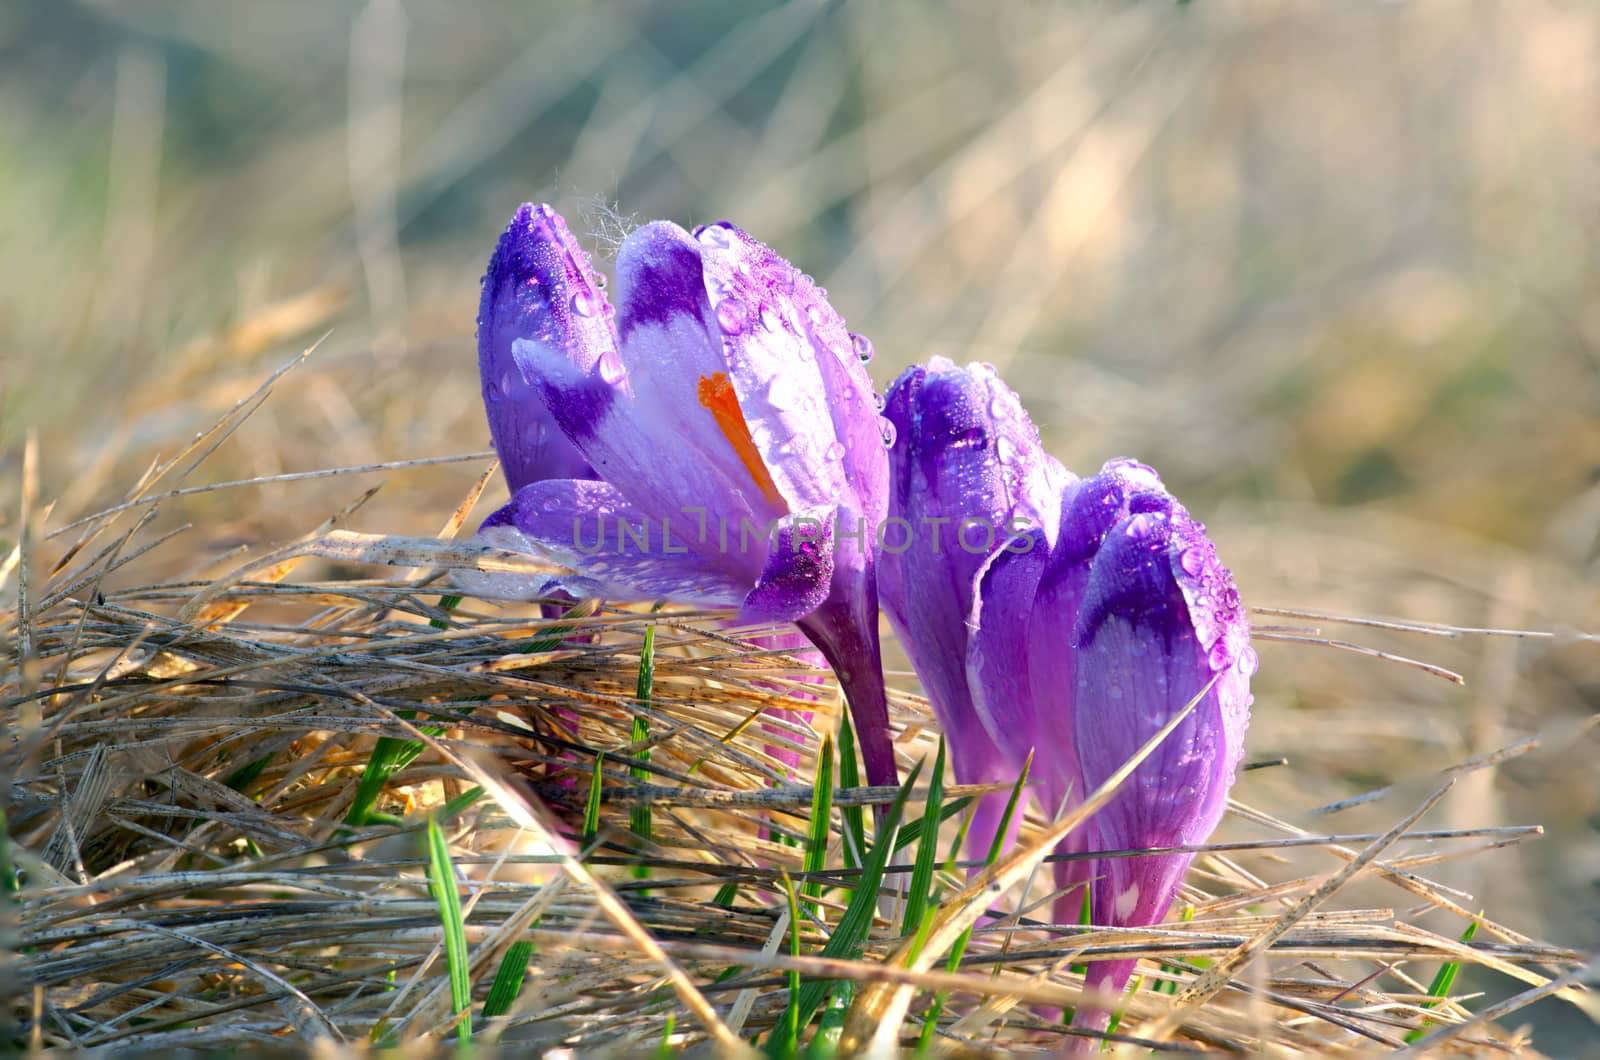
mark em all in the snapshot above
pixel 1332 270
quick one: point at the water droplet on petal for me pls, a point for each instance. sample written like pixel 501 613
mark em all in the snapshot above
pixel 1249 661
pixel 835 451
pixel 535 433
pixel 1193 561
pixel 999 409
pixel 783 393
pixel 1220 656
pixel 730 315
pixel 886 429
pixel 862 345
pixel 770 319
pixel 600 280
pixel 492 391
pixel 814 315
pixel 508 383
pixel 879 400
pixel 1005 450
pixel 1138 527
pixel 611 370
pixel 583 304
pixel 718 235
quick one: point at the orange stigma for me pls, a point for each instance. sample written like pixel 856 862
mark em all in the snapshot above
pixel 717 394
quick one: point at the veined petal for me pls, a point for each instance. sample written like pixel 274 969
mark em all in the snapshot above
pixel 613 548
pixel 767 314
pixel 673 352
pixel 798 574
pixel 539 286
pixel 1001 644
pixel 1140 662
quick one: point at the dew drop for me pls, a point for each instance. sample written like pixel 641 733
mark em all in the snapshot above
pixel 862 345
pixel 879 400
pixel 998 408
pixel 535 433
pixel 814 315
pixel 600 280
pixel 611 370
pixel 1138 527
pixel 770 319
pixel 1005 450
pixel 583 304
pixel 886 429
pixel 492 391
pixel 782 393
pixel 718 235
pixel 508 383
pixel 1193 561
pixel 1220 656
pixel 730 315
pixel 1249 661
pixel 835 451
pixel 806 351
pixel 791 316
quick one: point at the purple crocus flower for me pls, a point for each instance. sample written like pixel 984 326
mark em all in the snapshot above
pixel 967 475
pixel 729 420
pixel 1128 618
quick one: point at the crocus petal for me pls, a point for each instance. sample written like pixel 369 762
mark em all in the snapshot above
pixel 966 473
pixel 799 572
pixel 539 284
pixel 613 548
pixel 1146 615
pixel 774 326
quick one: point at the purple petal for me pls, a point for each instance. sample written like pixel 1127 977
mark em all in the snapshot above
pixel 798 575
pixel 1140 661
pixel 539 286
pixel 769 316
pixel 613 548
pixel 967 472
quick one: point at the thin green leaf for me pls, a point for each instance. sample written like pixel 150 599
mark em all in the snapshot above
pixel 855 817
pixel 1443 980
pixel 591 809
pixel 912 832
pixel 446 603
pixel 927 851
pixel 508 978
pixel 442 882
pixel 784 1042
pixel 639 817
pixel 816 856
pixel 830 1026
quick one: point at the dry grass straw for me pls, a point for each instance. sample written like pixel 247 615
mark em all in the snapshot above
pixel 182 757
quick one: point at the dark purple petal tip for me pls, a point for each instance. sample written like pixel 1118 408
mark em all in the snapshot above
pixel 660 267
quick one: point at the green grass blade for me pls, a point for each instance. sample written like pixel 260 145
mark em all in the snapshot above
pixel 508 979
pixel 912 832
pixel 1443 980
pixel 442 882
pixel 446 603
pixel 639 817
pixel 855 818
pixel 830 1025
pixel 927 851
pixel 591 809
pixel 816 856
pixel 784 1042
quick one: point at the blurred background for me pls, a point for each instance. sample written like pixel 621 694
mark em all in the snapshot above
pixel 1332 268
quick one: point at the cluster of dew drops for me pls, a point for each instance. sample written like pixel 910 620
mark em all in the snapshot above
pixel 733 316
